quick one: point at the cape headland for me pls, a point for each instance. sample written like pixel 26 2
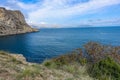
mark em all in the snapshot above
pixel 13 22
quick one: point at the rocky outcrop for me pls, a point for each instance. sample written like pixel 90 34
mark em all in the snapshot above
pixel 13 22
pixel 15 67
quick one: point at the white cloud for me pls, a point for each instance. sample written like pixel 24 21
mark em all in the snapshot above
pixel 60 9
pixel 48 10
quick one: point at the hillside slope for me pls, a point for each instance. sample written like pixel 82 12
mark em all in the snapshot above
pixel 14 67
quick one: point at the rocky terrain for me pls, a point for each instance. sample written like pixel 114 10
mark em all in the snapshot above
pixel 15 67
pixel 13 22
pixel 102 63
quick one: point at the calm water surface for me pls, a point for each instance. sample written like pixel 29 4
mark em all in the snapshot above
pixel 49 43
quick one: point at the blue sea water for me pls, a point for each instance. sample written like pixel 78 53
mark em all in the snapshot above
pixel 49 43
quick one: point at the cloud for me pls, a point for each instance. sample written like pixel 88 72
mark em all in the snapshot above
pixel 84 23
pixel 61 9
pixel 57 10
pixel 103 22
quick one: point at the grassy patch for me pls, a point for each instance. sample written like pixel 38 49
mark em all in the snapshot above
pixel 70 68
pixel 3 53
pixel 14 60
pixel 29 72
pixel 69 79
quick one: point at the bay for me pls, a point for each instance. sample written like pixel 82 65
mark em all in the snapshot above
pixel 52 42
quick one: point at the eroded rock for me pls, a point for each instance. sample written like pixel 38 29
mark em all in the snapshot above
pixel 13 22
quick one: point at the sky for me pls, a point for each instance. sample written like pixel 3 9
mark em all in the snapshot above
pixel 67 13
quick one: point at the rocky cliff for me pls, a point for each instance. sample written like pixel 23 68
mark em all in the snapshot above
pixel 13 22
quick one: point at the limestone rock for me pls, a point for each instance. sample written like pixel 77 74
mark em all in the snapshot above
pixel 13 22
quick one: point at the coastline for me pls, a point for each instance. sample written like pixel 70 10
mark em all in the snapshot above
pixel 34 30
pixel 73 66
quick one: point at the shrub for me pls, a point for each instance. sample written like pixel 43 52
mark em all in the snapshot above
pixel 50 64
pixel 83 61
pixel 67 59
pixel 97 52
pixel 47 63
pixel 104 69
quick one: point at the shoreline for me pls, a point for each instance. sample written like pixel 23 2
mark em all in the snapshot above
pixel 4 35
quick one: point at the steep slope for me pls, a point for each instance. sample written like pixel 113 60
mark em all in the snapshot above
pixel 13 22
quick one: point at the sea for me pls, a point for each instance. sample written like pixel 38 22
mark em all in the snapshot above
pixel 52 42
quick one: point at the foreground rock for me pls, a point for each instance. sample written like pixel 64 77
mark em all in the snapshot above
pixel 13 22
pixel 15 67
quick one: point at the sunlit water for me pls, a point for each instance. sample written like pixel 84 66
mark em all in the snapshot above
pixel 49 43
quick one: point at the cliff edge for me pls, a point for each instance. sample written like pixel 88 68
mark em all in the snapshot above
pixel 15 67
pixel 13 22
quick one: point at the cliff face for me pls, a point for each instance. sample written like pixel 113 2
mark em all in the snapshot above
pixel 13 22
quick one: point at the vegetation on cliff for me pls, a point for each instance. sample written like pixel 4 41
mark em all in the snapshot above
pixel 100 61
pixel 14 67
pixel 94 62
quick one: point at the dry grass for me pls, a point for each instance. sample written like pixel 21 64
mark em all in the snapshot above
pixel 11 68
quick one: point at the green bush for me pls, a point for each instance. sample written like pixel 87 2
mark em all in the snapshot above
pixel 50 64
pixel 83 61
pixel 104 69
pixel 47 63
